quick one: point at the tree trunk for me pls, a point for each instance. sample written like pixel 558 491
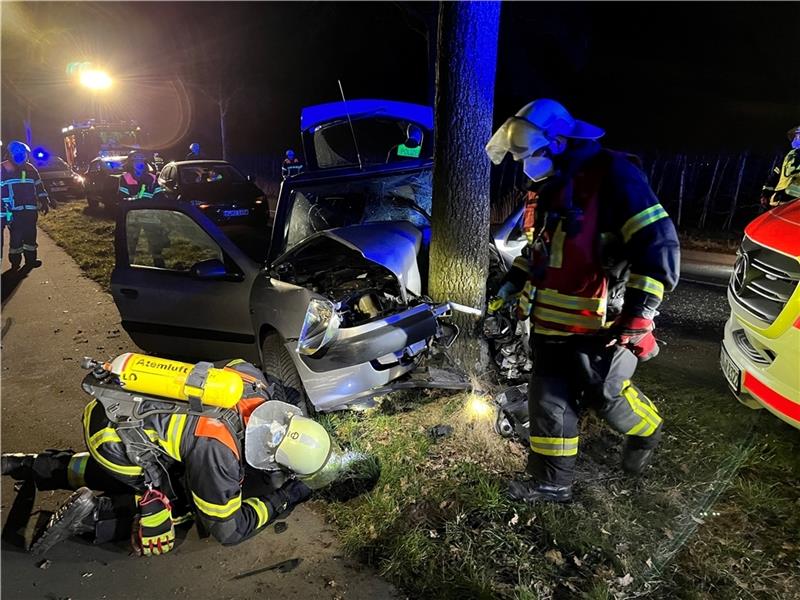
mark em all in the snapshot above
pixel 682 163
pixel 465 77
pixel 223 114
pixel 735 199
pixel 709 193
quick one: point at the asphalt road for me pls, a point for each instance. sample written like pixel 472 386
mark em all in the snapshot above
pixel 50 319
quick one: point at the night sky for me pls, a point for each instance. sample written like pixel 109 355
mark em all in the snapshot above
pixel 657 76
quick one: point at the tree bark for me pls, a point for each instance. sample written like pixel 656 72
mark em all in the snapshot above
pixel 465 77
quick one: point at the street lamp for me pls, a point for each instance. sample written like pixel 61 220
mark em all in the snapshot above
pixel 95 79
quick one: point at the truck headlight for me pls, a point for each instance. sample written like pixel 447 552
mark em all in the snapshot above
pixel 320 327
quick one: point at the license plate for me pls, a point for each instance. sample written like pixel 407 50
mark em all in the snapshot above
pixel 732 373
pixel 242 212
pixel 58 188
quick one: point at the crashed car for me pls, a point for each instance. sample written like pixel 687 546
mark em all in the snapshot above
pixel 329 298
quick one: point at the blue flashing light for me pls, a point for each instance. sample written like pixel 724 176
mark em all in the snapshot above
pixel 40 155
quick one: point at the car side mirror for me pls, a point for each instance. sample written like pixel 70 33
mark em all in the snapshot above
pixel 212 268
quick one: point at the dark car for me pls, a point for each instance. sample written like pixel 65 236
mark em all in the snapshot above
pixel 59 179
pixel 102 180
pixel 215 187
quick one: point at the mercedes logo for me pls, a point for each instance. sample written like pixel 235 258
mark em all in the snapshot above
pixel 739 275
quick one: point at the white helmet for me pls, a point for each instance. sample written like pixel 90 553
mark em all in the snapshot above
pixel 536 133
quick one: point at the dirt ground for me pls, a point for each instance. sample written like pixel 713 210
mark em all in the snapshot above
pixel 50 319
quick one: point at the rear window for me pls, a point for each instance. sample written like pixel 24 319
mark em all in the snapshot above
pixel 377 140
pixel 210 174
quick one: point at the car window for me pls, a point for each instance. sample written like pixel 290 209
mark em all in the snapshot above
pixel 165 239
pixel 405 197
pixel 210 174
pixel 95 166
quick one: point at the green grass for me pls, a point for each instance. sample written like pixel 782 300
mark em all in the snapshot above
pixel 87 236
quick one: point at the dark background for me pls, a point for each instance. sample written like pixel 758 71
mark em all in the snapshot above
pixel 671 77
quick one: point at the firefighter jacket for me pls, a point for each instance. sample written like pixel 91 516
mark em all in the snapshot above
pixel 783 183
pixel 290 168
pixel 139 188
pixel 599 244
pixel 22 189
pixel 209 454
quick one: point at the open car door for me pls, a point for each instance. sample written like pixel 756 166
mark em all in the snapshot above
pixel 181 286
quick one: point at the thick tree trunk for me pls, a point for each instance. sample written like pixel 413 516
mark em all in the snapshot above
pixel 223 115
pixel 465 76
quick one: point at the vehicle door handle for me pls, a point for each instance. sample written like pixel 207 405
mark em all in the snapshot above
pixel 129 292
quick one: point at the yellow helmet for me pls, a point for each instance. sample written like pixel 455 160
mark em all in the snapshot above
pixel 278 435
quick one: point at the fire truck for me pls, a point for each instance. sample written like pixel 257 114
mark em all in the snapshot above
pixel 89 139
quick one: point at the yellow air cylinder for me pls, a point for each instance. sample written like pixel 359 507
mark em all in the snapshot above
pixel 167 378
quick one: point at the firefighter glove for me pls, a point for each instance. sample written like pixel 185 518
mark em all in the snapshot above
pixel 499 300
pixel 156 530
pixel 636 334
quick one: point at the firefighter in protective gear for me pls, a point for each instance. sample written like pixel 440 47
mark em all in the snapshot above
pixel 235 487
pixel 783 184
pixel 136 182
pixel 601 253
pixel 23 197
pixel 291 165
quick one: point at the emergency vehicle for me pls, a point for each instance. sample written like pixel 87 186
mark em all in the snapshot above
pixel 760 353
pixel 86 140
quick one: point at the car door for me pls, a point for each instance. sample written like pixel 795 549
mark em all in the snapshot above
pixel 181 286
pixel 93 174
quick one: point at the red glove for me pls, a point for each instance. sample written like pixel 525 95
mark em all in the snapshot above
pixel 156 532
pixel 636 334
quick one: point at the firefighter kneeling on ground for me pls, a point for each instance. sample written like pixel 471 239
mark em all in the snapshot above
pixel 237 465
pixel 593 225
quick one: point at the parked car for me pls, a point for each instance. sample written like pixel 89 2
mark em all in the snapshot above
pixel 760 352
pixel 329 300
pixel 102 180
pixel 217 188
pixel 59 179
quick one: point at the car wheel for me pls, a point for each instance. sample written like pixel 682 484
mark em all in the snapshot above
pixel 94 205
pixel 279 368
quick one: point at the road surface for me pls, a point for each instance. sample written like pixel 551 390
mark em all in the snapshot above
pixel 50 319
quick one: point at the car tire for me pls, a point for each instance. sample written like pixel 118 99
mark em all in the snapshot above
pixel 279 368
pixel 94 205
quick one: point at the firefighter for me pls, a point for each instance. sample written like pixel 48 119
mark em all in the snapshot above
pixel 136 182
pixel 195 153
pixel 235 485
pixel 291 165
pixel 23 197
pixel 601 253
pixel 783 184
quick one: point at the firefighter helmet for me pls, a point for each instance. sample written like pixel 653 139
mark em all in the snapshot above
pixel 535 134
pixel 278 435
pixel 194 148
pixel 290 154
pixel 18 152
pixel 794 136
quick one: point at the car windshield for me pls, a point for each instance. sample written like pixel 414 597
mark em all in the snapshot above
pixel 53 164
pixel 113 166
pixel 389 197
pixel 215 174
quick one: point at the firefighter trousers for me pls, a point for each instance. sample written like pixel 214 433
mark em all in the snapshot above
pixel 22 237
pixel 576 372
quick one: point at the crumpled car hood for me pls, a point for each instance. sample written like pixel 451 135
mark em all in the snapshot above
pixel 391 244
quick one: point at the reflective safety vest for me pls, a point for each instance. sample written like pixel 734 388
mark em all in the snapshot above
pixel 21 189
pixel 566 270
pixel 144 189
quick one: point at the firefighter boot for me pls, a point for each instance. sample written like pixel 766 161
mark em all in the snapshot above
pixel 31 262
pixel 77 515
pixel 15 260
pixel 533 491
pixel 18 466
pixel 638 452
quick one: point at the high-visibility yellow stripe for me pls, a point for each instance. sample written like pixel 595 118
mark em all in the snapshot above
pixel 261 509
pixel 172 445
pixel 221 511
pixel 650 417
pixel 235 361
pixel 647 284
pixel 542 330
pixel 555 298
pixel 127 470
pixel 557 248
pixel 554 446
pixel 521 263
pixel 76 469
pixel 156 519
pixel 104 436
pixel 636 429
pixel 554 316
pixel 641 220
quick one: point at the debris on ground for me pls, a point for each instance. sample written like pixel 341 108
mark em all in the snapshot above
pixel 43 564
pixel 281 526
pixel 282 567
pixel 438 432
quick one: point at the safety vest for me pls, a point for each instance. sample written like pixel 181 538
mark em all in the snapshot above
pixel 568 287
pixel 130 187
pixel 789 181
pixel 22 189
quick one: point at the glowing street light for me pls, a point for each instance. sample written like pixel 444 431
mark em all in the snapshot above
pixel 95 79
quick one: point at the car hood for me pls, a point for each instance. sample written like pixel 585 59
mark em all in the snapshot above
pixel 393 245
pixel 778 229
pixel 47 175
pixel 228 194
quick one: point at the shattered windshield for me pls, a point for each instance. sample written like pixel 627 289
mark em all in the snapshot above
pixel 405 197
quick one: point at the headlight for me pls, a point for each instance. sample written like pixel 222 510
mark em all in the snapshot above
pixel 78 178
pixel 260 200
pixel 320 327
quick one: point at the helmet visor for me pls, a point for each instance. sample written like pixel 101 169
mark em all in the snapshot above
pixel 266 429
pixel 518 136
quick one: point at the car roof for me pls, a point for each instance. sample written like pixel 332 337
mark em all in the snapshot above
pixel 184 163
